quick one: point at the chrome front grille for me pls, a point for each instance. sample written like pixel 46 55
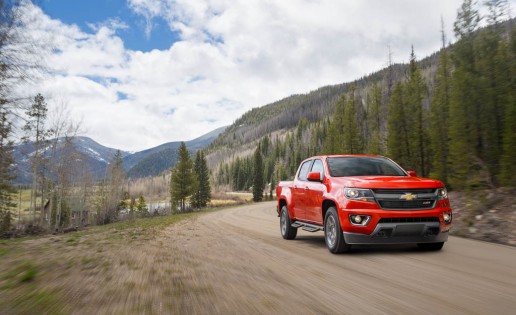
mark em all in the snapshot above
pixel 406 199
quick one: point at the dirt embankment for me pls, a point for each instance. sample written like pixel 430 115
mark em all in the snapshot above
pixel 488 215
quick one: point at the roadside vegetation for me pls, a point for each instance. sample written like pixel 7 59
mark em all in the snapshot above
pixel 102 264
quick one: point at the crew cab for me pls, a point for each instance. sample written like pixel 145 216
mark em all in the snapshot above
pixel 364 199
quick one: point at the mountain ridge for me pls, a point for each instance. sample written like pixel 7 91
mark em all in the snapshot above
pixel 97 157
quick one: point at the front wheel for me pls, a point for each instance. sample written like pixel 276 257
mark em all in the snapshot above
pixel 287 231
pixel 333 233
pixel 430 246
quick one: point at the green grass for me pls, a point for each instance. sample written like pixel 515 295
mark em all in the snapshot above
pixel 29 274
pixel 4 250
pixel 22 273
pixel 35 301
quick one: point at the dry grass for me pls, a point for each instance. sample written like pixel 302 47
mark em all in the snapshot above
pixel 225 199
pixel 119 268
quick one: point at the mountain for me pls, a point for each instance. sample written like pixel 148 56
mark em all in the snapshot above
pixel 314 106
pixel 96 157
pixel 155 160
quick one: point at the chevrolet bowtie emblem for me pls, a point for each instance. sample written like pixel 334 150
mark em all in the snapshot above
pixel 408 196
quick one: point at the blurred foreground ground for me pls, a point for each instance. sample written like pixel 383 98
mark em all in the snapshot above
pixel 234 261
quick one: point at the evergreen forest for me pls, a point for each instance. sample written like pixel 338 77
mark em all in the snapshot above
pixel 450 116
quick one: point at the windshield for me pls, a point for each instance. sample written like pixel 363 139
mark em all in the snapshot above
pixel 363 166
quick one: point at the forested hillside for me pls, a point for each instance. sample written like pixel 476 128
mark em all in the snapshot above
pixel 154 161
pixel 450 116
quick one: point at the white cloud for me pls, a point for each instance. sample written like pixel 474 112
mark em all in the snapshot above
pixel 112 24
pixel 232 55
pixel 148 9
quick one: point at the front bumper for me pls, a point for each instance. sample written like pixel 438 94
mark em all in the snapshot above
pixel 400 233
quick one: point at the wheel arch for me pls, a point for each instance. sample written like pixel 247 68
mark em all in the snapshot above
pixel 281 203
pixel 327 203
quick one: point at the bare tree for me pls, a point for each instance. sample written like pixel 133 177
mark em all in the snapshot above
pixel 111 191
pixel 67 169
pixel 21 55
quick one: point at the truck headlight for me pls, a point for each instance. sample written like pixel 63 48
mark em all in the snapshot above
pixel 359 194
pixel 442 193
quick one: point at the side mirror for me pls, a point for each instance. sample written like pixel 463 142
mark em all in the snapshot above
pixel 412 173
pixel 314 177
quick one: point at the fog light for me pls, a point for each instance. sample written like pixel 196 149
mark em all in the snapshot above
pixel 357 219
pixel 447 217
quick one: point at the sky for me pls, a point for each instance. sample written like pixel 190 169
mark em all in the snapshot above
pixel 139 73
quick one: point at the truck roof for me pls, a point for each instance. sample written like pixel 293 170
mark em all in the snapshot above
pixel 345 155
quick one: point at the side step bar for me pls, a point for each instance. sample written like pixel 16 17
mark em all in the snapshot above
pixel 307 226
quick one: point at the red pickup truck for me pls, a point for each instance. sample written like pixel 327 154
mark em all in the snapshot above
pixel 364 199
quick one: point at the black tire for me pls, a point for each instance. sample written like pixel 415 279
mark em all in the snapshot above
pixel 333 233
pixel 287 231
pixel 430 246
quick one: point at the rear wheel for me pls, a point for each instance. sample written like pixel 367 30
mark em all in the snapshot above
pixel 431 246
pixel 287 231
pixel 333 233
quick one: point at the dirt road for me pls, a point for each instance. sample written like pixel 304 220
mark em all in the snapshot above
pixel 234 261
pixel 244 266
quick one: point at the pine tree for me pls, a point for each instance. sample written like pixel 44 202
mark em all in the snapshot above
pixel 398 137
pixel 498 11
pixel 352 141
pixel 202 194
pixel 6 172
pixel 439 112
pixel 464 107
pixel 182 182
pixel 335 139
pixel 508 166
pixel 234 169
pixel 493 75
pixel 467 20
pixel 141 206
pixel 257 175
pixel 374 120
pixel 37 135
pixel 415 117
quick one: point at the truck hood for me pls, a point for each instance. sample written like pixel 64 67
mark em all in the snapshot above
pixel 392 182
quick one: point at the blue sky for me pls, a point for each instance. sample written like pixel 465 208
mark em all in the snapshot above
pixel 87 12
pixel 139 73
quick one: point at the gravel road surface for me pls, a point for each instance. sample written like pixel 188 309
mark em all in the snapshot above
pixel 244 266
